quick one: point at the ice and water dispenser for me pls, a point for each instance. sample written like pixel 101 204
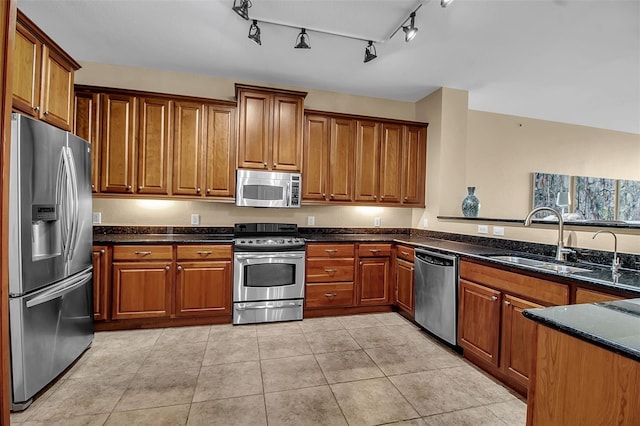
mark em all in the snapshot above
pixel 46 235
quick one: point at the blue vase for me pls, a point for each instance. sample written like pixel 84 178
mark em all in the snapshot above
pixel 470 204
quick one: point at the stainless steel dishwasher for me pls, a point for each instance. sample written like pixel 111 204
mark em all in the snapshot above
pixel 435 293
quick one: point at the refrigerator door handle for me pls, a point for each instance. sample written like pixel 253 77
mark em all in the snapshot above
pixel 63 288
pixel 75 210
pixel 61 200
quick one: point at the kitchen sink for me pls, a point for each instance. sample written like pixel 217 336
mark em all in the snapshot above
pixel 541 264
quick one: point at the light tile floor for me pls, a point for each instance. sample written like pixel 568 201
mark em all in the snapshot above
pixel 353 370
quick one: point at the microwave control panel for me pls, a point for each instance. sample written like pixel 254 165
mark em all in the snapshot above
pixel 295 191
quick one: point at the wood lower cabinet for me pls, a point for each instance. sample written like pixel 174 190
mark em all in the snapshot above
pixel 330 274
pixel 42 76
pixel 479 324
pixel 373 282
pixel 584 295
pixel 404 273
pixel 101 287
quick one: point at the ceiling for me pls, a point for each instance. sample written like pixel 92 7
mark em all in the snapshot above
pixel 572 61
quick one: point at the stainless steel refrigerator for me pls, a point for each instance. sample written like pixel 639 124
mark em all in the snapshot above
pixel 50 257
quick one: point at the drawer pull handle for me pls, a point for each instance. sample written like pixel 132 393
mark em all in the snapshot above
pixel 330 271
pixel 143 253
pixel 204 253
pixel 330 294
pixel 404 253
pixel 331 250
pixel 494 298
pixel 374 250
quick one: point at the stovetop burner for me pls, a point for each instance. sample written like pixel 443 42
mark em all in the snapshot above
pixel 267 236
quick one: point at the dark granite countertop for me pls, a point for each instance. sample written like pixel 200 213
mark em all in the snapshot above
pixel 132 239
pixel 612 325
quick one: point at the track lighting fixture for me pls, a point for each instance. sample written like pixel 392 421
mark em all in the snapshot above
pixel 410 31
pixel 370 52
pixel 241 7
pixel 254 32
pixel 302 42
pixel 445 3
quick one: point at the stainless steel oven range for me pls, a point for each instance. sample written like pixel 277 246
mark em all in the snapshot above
pixel 268 273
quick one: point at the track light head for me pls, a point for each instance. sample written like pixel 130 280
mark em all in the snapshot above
pixel 254 32
pixel 445 3
pixel 410 31
pixel 302 42
pixel 370 52
pixel 241 7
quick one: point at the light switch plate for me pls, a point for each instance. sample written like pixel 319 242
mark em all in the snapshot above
pixel 483 229
pixel 376 221
pixel 311 220
pixel 498 230
pixel 195 219
pixel 96 218
pixel 425 223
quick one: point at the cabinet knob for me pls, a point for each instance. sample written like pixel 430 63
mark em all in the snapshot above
pixel 375 197
pixel 208 190
pixel 167 268
pixel 128 187
pixel 93 186
pixel 275 164
pixel 140 188
pixel 102 251
pixel 382 197
pixel 198 190
pixel 46 113
pixel 406 198
pixel 361 263
pixel 331 196
pixel 179 268
pixel 36 108
pixel 324 195
pixel 506 302
pixel 265 164
pixel 494 298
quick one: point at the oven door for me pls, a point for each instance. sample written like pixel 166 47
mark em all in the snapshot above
pixel 268 276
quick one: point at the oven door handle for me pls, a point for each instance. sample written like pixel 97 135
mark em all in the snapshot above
pixel 269 256
pixel 243 307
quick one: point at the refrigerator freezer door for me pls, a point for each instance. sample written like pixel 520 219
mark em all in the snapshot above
pixel 79 254
pixel 36 234
pixel 49 330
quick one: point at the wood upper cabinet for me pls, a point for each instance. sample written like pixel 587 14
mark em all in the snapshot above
pixel 87 126
pixel 518 338
pixel 101 284
pixel 479 321
pixel 391 163
pixel 42 76
pixel 315 167
pixel 414 165
pixel 220 151
pixel 153 146
pixel 187 148
pixel 367 161
pixel 341 159
pixel 117 143
pixel 270 128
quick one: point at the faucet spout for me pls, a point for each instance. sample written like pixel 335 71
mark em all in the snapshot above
pixel 615 264
pixel 561 253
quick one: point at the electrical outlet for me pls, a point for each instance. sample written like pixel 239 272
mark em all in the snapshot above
pixel 498 230
pixel 96 218
pixel 195 219
pixel 311 220
pixel 425 223
pixel 376 221
pixel 483 229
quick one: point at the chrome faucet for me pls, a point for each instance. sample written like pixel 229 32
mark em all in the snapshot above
pixel 615 264
pixel 561 253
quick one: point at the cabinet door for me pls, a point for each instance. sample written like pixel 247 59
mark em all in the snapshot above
pixel 288 114
pixel 390 163
pixel 414 164
pixel 254 130
pixel 341 159
pixel 86 125
pixel 27 55
pixel 100 283
pixel 153 146
pixel 316 152
pixel 56 90
pixel 203 288
pixel 404 285
pixel 117 143
pixel 220 148
pixel 188 149
pixel 479 321
pixel 141 290
pixel 518 338
pixel 373 281
pixel 367 161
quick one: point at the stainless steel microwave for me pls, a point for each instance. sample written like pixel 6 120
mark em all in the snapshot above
pixel 256 188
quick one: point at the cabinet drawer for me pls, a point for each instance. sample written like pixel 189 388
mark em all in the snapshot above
pixel 322 270
pixel 329 295
pixel 330 250
pixel 404 252
pixel 142 253
pixel 207 252
pixel 590 296
pixel 546 292
pixel 374 250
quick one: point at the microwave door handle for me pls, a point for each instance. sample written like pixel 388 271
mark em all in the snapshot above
pixel 288 195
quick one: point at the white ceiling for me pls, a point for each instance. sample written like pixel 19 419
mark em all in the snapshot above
pixel 572 61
